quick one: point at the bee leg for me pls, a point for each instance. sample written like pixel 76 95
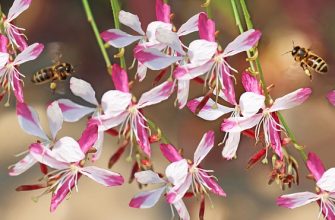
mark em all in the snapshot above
pixel 53 86
pixel 306 70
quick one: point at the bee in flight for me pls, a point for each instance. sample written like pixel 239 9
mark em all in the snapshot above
pixel 56 72
pixel 308 60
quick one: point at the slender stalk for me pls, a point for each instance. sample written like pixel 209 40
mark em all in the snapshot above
pixel 116 9
pixel 264 87
pixel 91 20
pixel 164 139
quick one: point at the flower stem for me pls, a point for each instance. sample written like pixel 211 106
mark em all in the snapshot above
pixel 152 125
pixel 91 20
pixel 249 24
pixel 116 9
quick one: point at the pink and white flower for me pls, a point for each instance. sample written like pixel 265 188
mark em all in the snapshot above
pixel 10 76
pixel 13 32
pixel 148 199
pixel 67 157
pixel 191 173
pixel 29 122
pixel 325 196
pixel 267 118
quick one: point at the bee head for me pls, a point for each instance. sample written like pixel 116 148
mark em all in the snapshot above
pixel 69 68
pixel 295 50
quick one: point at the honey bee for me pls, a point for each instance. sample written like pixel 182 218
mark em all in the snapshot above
pixel 56 72
pixel 308 60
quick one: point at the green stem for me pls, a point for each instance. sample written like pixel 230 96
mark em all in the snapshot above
pixel 116 10
pixel 290 134
pixel 91 20
pixel 152 125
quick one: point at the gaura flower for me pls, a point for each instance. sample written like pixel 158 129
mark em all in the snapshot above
pixel 267 118
pixel 193 174
pixel 10 77
pixel 67 158
pixel 325 195
pixel 148 199
pixel 331 97
pixel 29 122
pixel 13 32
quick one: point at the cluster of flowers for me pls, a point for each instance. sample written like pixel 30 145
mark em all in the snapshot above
pixel 159 48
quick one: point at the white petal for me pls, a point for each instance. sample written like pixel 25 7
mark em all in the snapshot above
pixel 23 165
pixel 84 90
pixel 146 199
pixel 55 118
pixel 327 180
pixel 102 176
pixel 170 39
pixel 131 21
pixel 178 191
pixel 115 102
pixel 231 145
pixel 148 177
pixel 205 145
pixel 192 70
pixel 29 121
pixel 291 100
pixel 73 112
pixel 177 171
pixel 182 94
pixel 156 95
pixel 201 51
pixel 67 150
pixel 297 199
pixel 30 53
pixel 3 59
pixel 181 210
pixel 118 38
pixel 154 59
pixel 17 8
pixel 109 122
pixel 152 28
pixel 141 71
pixel 238 124
pixel 250 103
pixel 191 25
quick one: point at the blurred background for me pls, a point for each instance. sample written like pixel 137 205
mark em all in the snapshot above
pixel 305 22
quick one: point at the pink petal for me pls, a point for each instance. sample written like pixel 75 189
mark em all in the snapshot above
pixel 327 180
pixel 152 28
pixel 55 118
pixel 22 166
pixel 120 78
pixel 206 27
pixel 177 172
pixel 228 88
pixel 201 51
pixel 163 11
pixel 191 25
pixel 231 145
pixel 89 136
pixel 73 112
pixel 131 21
pixel 118 38
pixel 30 53
pixel 211 110
pixel 170 39
pixel 182 94
pixel 205 145
pixel 84 90
pixel 17 87
pixel 29 121
pixel 170 153
pixel 154 59
pixel 251 84
pixel 274 135
pixel 156 95
pixel 61 193
pixel 291 100
pixel 177 192
pixel 315 165
pixel 238 124
pixel 20 40
pixel 67 150
pixel 102 176
pixel 296 199
pixel 114 102
pixel 190 71
pixel 141 71
pixel 3 58
pixel 243 42
pixel 3 46
pixel 17 8
pixel 146 199
pixel 181 210
pixel 148 177
pixel 251 103
pixel 45 156
pixel 212 184
pixel 142 136
pixel 331 97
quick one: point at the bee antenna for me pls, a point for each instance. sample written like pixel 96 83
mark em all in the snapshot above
pixel 293 43
pixel 290 51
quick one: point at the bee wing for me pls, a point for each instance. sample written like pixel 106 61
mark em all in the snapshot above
pixel 53 51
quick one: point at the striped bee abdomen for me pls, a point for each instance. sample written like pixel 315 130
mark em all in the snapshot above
pixel 42 76
pixel 317 63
